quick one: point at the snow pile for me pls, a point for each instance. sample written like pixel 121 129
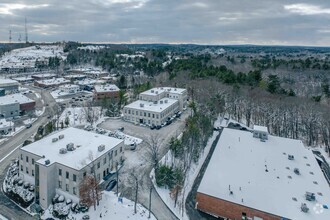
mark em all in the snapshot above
pixel 109 208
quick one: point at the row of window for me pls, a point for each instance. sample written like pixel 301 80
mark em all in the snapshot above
pixel 27 170
pixel 27 159
pixel 67 175
pixel 74 189
pixel 145 114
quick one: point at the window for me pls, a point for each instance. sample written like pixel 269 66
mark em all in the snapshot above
pixel 21 167
pixel 67 187
pixel 67 175
pixel 21 156
pixel 32 161
pixel 121 149
pixel 74 191
pixel 60 184
pixel 137 113
pixel 129 111
pixel 153 115
pixel 84 174
pixel 32 171
pixel 74 177
pixel 60 172
pixel 27 159
pixel 149 115
pixel 98 165
pixel 145 114
pixel 115 152
pixel 27 170
pixel 104 160
pixel 98 177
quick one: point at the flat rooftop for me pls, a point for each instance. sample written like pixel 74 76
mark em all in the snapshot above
pixel 240 161
pixel 4 82
pixel 260 128
pixel 159 90
pixel 78 158
pixel 15 98
pixel 106 88
pixel 150 106
pixel 54 81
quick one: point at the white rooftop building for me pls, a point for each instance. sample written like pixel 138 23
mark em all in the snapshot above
pixel 270 179
pixel 156 106
pixel 58 162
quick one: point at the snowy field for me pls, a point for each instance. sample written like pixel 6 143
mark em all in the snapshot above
pixel 78 116
pixel 109 208
pixel 190 178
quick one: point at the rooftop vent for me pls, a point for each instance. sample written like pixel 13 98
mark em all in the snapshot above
pixel 155 102
pixel 152 91
pixel 47 162
pixel 61 136
pixel 101 147
pixel 296 171
pixel 70 147
pixel 78 146
pixel 310 196
pixel 63 151
pixel 304 207
pixel 166 100
pixel 54 140
pixel 156 92
pixel 141 105
pixel 290 157
pixel 161 102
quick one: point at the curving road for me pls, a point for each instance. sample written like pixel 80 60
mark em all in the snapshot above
pixel 7 207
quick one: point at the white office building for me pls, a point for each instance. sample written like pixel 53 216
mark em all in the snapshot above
pixel 156 106
pixel 57 163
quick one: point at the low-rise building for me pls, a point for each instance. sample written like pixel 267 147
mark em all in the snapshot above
pixel 250 177
pixel 15 104
pixel 107 91
pixel 43 76
pixel 50 83
pixel 69 88
pixel 10 86
pixel 156 106
pixel 58 163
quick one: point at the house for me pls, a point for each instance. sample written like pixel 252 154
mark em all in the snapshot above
pixel 57 163
pixel 253 178
pixel 156 106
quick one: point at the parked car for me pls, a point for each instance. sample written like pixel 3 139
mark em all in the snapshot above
pixel 111 185
pixel 28 125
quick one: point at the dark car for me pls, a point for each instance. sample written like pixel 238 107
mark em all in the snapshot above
pixel 152 127
pixel 111 185
pixel 158 127
pixel 28 125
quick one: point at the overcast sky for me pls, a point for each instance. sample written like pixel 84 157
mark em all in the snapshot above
pixel 279 22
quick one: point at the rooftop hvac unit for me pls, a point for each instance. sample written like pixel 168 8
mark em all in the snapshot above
pixel 141 105
pixel 54 140
pixel 166 101
pixel 310 196
pixel 155 102
pixel 47 162
pixel 290 157
pixel 296 171
pixel 152 91
pixel 101 147
pixel 156 92
pixel 70 147
pixel 161 102
pixel 61 136
pixel 63 151
pixel 304 207
pixel 78 146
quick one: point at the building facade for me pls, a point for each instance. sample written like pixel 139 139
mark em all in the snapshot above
pixel 14 105
pixel 56 169
pixel 10 86
pixel 156 106
pixel 108 91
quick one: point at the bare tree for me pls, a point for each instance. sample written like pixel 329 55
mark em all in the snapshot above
pixel 153 150
pixel 135 180
pixel 88 191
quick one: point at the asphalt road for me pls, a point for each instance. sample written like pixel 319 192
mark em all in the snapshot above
pixel 7 207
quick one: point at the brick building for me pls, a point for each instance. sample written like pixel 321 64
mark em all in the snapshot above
pixel 108 91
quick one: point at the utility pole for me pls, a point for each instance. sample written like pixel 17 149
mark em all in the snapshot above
pixel 26 33
pixel 150 200
pixel 10 36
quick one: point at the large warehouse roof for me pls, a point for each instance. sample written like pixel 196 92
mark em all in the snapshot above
pixel 261 176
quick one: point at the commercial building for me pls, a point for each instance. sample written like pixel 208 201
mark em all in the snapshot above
pixel 10 86
pixel 43 76
pixel 69 88
pixel 108 91
pixel 57 163
pixel 50 83
pixel 156 106
pixel 256 178
pixel 15 104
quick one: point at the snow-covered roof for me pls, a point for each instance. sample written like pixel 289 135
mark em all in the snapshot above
pixel 86 82
pixel 106 88
pixel 78 158
pixel 44 75
pixel 54 81
pixel 159 90
pixel 23 78
pixel 68 86
pixel 150 106
pixel 8 82
pixel 15 98
pixel 239 162
pixel 4 123
pixel 260 128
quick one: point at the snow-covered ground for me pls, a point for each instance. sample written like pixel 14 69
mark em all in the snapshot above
pixel 190 178
pixel 3 217
pixel 28 56
pixel 109 208
pixel 77 116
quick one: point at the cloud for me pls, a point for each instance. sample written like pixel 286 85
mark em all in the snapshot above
pixel 8 9
pixel 306 9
